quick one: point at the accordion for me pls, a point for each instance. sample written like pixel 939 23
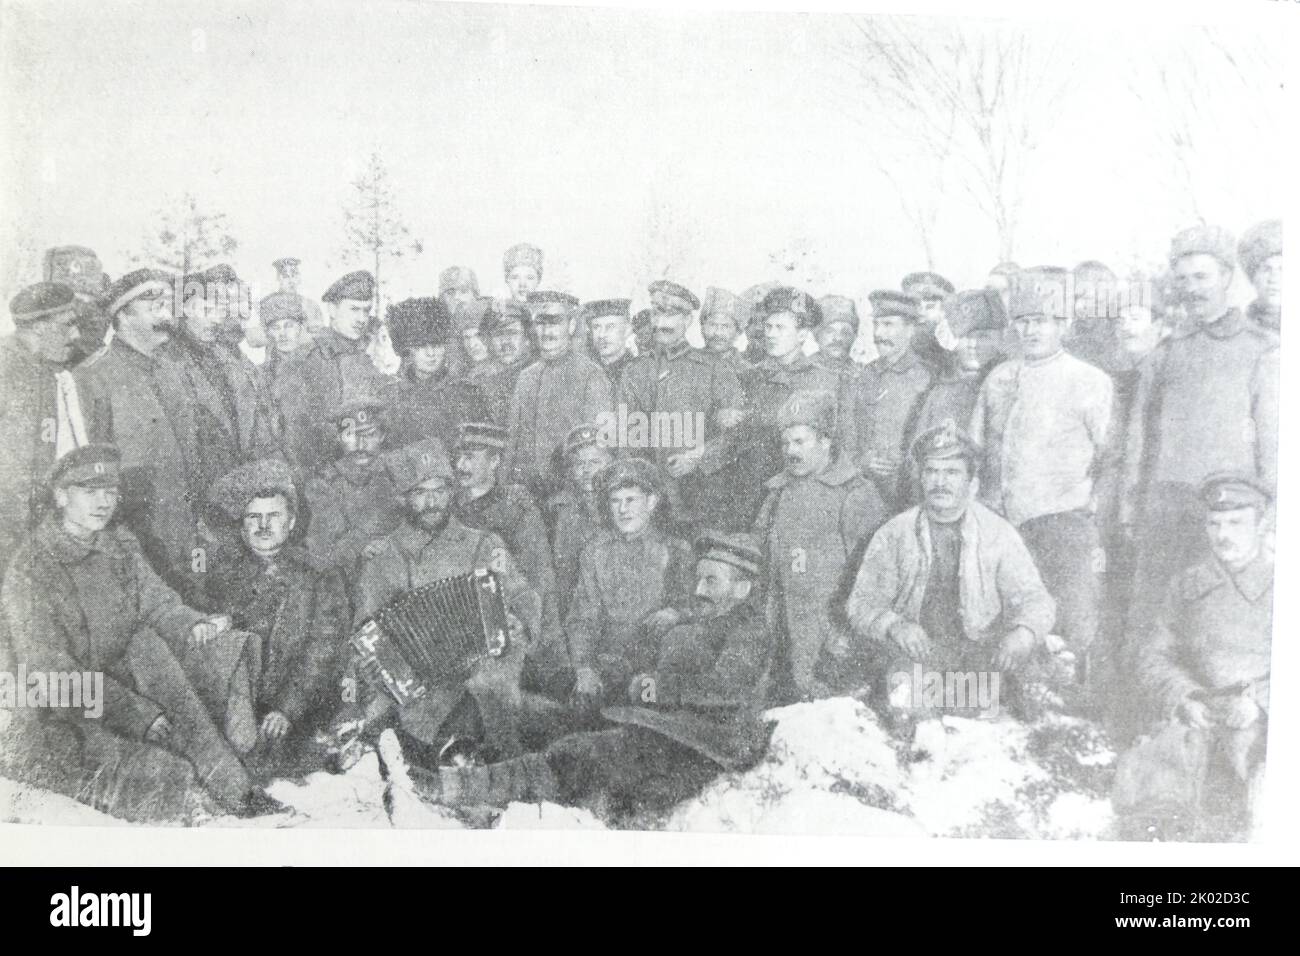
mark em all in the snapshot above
pixel 433 636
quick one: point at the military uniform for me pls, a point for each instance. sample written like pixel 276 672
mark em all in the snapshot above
pixel 350 505
pixel 80 270
pixel 575 522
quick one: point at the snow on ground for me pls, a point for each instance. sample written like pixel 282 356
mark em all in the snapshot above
pixel 831 768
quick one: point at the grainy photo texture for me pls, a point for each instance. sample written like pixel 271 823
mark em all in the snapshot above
pixel 475 416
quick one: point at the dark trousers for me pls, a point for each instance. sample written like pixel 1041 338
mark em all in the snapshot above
pixel 1067 550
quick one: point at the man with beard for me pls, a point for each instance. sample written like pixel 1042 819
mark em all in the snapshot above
pixel 887 395
pixel 509 511
pixel 351 500
pixel 1260 255
pixel 234 423
pixel 931 291
pixel 609 326
pixel 1207 402
pixel 1205 672
pixel 145 405
pixel 563 388
pixel 948 586
pixel 814 523
pixel 430 403
pixel 683 387
pixel 298 614
pixel 505 325
pixel 575 513
pixel 79 269
pixel 333 365
pixel 1044 422
pixel 631 582
pixel 40 412
pixel 837 333
pixel 522 265
pixel 430 544
pixel 79 597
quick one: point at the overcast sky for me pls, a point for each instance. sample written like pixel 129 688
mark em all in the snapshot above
pixel 607 137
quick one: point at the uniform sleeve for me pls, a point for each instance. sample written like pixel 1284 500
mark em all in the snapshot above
pixel 520 597
pixel 735 679
pixel 863 512
pixel 514 429
pixel 870 607
pixel 316 669
pixel 597 396
pixel 162 608
pixel 1264 410
pixel 583 623
pixel 377 584
pixel 726 390
pixel 1025 601
pixel 41 644
pixel 1162 671
pixel 1137 436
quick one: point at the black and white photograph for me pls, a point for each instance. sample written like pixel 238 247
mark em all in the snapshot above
pixel 588 419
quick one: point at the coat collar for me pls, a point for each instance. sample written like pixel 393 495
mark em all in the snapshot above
pixel 1254 580
pixel 413 540
pixel 1224 327
pixel 839 472
pixel 903 364
pixel 65 549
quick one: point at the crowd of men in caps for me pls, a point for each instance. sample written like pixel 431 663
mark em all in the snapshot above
pixel 203 501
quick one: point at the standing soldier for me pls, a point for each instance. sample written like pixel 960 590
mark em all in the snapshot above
pixel 1207 402
pixel 430 403
pixel 40 412
pixel 562 389
pixel 931 291
pixel 523 271
pixel 456 286
pixel 284 321
pixel 474 360
pixel 287 278
pixel 686 392
pixel 887 395
pixel 1091 336
pixel 1043 420
pixel 720 328
pixel 1260 255
pixel 351 499
pixel 80 270
pixel 609 325
pixel 145 405
pixel 817 517
pixel 334 364
pixel 505 325
pixel 837 332
pixel 574 511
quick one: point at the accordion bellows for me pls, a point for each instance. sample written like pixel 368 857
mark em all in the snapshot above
pixel 433 636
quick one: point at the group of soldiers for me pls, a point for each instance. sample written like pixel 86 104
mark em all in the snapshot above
pixel 1061 476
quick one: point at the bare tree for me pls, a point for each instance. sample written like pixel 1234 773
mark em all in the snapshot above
pixel 372 225
pixel 187 237
pixel 668 241
pixel 970 100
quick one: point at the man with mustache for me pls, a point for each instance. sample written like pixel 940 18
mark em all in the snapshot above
pixel 560 390
pixel 430 543
pixel 145 405
pixel 36 392
pixel 887 394
pixel 931 291
pixel 948 585
pixel 609 327
pixel 679 382
pixel 837 333
pixel 506 328
pixel 1260 255
pixel 816 519
pixel 1044 421
pixel 351 499
pixel 575 513
pixel 176 707
pixel 1207 402
pixel 335 363
pixel 299 615
pixel 1204 675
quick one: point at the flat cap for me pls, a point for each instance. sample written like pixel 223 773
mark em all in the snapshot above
pixel 629 473
pixel 799 304
pixel 581 436
pixel 974 310
pixel 523 254
pixel 75 266
pixel 599 308
pixel 927 285
pixel 231 493
pixel 1228 491
pixel 1039 292
pixel 1204 240
pixel 721 303
pixel 140 284
pixel 414 464
pixel 839 308
pixel 889 302
pixel 41 301
pixel 358 413
pixel 813 408
pixel 280 307
pixel 668 296
pixel 457 279
pixel 481 435
pixel 1261 241
pixel 945 440
pixel 286 264
pixel 503 312
pixel 413 323
pixel 91 466
pixel 736 548
pixel 359 285
pixel 552 306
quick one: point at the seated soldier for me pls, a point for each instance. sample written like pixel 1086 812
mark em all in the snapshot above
pixel 300 615
pixel 947 587
pixel 350 501
pixel 574 511
pixel 631 581
pixel 430 544
pixel 1205 675
pixel 80 598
